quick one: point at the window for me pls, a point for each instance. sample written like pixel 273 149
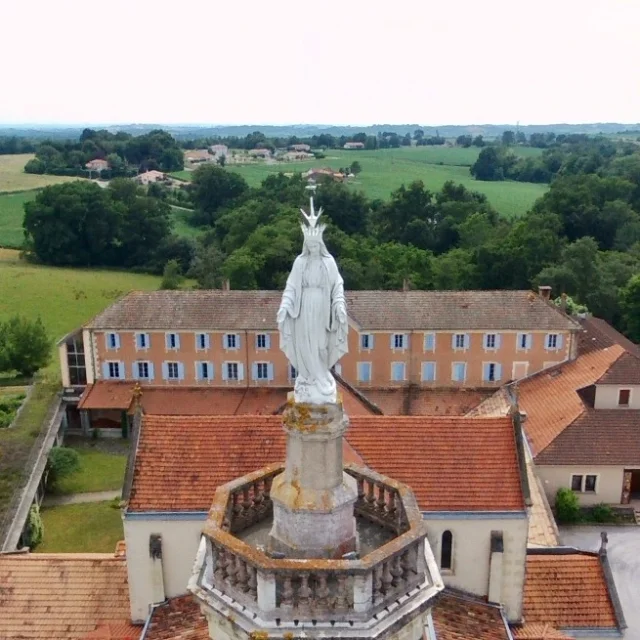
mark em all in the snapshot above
pixel 113 369
pixel 232 371
pixel 428 371
pixel 459 371
pixel 75 361
pixel 429 341
pixel 590 484
pixel 261 371
pixel 173 371
pixel 525 340
pixel 576 483
pixel 172 341
pixel 624 397
pixel 399 341
pixel 398 371
pixel 113 340
pixel 142 341
pixel 143 370
pixel 491 341
pixel 263 341
pixel 553 341
pixel 460 341
pixel 446 551
pixel 364 372
pixel 204 370
pixel 491 371
pixel 202 341
pixel 366 341
pixel 231 341
pixel 293 374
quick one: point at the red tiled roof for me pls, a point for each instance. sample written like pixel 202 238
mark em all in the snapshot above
pixel 598 334
pixel 464 617
pixel 51 596
pixel 567 592
pixel 107 395
pixel 550 399
pixel 178 619
pixel 624 371
pixel 538 632
pixel 217 310
pixel 181 460
pixel 115 631
pixel 597 436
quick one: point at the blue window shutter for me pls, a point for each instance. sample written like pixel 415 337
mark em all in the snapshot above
pixel 547 341
pixel 237 340
pixel 121 371
pixel 498 372
pixel 211 371
pixel 392 342
pixel 105 370
pixel 147 339
pixel 428 371
pixel 180 371
pixel 138 340
pixel 268 340
pixel 107 343
pixel 453 341
pixel 224 371
pixel 151 373
pixel 485 340
pixel 198 371
pixel 485 372
pixel 177 340
pixel 467 340
pixel 207 341
pixel 529 339
pixel 270 371
pixel 240 371
pixel 117 335
pixel 371 340
pixel 165 371
pixel 167 344
pixel 498 340
pixel 225 343
pixel 254 371
pixel 134 371
pixel 559 341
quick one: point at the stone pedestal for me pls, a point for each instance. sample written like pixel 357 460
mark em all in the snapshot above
pixel 313 498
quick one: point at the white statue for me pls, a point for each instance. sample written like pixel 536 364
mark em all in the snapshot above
pixel 312 318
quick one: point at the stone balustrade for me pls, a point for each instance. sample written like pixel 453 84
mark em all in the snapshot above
pixel 314 589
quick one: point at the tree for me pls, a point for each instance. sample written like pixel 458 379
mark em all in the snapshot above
pixel 478 141
pixel 63 462
pixel 355 168
pixel 348 209
pixel 521 137
pixel 24 345
pixel 207 267
pixel 630 302
pixel 488 166
pixel 508 138
pixel 464 141
pixel 213 188
pixel 171 276
pixel 222 160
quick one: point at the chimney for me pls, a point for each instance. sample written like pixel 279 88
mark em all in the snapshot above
pixel 495 567
pixel 604 539
pixel 226 284
pixel 157 577
pixel 544 291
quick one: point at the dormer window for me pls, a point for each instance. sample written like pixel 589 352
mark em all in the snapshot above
pixel 624 397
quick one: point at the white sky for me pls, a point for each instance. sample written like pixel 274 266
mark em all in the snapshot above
pixel 326 61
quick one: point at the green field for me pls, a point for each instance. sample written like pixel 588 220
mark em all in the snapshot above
pixel 11 216
pixel 384 171
pixel 63 298
pixel 92 527
pixel 13 177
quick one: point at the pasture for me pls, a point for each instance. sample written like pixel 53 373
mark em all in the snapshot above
pixel 385 170
pixel 11 216
pixel 13 177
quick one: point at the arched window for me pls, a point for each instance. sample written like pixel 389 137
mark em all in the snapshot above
pixel 446 551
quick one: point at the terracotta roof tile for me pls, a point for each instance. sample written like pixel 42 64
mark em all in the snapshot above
pixel 599 334
pixel 115 631
pixel 107 395
pixel 178 619
pixel 61 596
pixel 597 436
pixel 539 632
pixel 418 401
pixel 182 459
pixel 550 399
pixel 624 371
pixel 217 310
pixel 464 617
pixel 567 591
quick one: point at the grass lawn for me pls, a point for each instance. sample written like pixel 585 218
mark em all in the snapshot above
pixel 99 470
pixel 93 527
pixel 13 177
pixel 181 225
pixel 11 216
pixel 385 170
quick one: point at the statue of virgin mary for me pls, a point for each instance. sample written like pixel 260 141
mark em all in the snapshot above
pixel 312 318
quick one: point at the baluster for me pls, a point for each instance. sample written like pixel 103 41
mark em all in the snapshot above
pixel 304 592
pixel 232 569
pixel 252 582
pixel 257 496
pixel 237 507
pixel 409 560
pixel 360 483
pixel 241 574
pixel 322 591
pixel 287 593
pixel 377 584
pixel 370 499
pixel 341 596
pixel 392 505
pixel 220 572
pixel 381 501
pixel 396 571
pixel 387 578
pixel 267 488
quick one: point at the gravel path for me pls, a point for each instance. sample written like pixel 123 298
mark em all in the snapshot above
pixel 78 498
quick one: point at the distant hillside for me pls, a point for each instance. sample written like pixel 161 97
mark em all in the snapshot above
pixel 183 131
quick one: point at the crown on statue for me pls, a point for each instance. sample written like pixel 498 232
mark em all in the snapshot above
pixel 310 226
